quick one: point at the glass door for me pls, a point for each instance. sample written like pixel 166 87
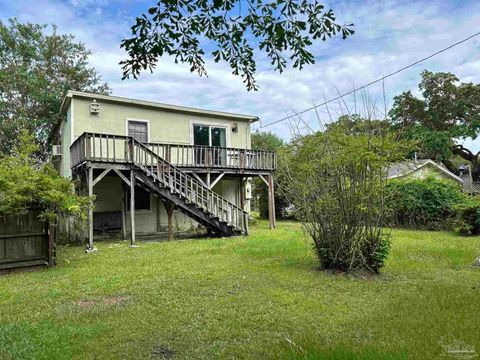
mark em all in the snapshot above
pixel 210 142
pixel 201 137
pixel 219 139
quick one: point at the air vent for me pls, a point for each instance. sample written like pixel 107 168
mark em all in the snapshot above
pixel 94 107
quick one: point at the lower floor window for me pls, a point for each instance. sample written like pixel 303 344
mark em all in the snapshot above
pixel 142 199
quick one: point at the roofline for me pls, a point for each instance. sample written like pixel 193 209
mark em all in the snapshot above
pixel 430 161
pixel 153 105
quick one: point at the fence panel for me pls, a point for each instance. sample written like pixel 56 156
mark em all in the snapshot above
pixel 24 241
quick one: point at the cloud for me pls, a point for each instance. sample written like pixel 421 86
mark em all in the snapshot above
pixel 389 35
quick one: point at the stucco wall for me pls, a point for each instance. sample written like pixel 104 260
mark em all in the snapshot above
pixel 164 126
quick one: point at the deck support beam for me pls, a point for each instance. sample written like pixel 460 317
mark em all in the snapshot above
pixel 124 212
pixel 217 179
pixel 159 217
pixel 169 207
pixel 271 203
pixel 90 247
pixel 132 208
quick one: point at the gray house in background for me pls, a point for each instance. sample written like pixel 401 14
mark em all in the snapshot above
pixel 422 168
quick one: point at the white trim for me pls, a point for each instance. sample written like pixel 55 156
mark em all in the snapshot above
pixel 224 124
pixel 138 120
pixel 71 124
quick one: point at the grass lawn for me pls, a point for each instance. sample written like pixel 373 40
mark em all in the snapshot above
pixel 256 297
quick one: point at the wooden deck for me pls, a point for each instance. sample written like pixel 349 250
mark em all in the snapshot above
pixel 96 147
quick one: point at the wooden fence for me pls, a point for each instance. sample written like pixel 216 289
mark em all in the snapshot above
pixel 26 241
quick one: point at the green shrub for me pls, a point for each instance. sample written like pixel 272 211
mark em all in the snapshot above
pixel 422 203
pixel 336 183
pixel 26 185
pixel 466 218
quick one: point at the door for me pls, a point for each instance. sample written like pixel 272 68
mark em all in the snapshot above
pixel 201 138
pixel 219 140
pixel 211 141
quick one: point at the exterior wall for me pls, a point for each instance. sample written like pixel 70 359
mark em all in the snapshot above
pixel 164 126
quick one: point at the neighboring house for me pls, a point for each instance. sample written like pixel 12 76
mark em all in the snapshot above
pixel 421 169
pixel 174 166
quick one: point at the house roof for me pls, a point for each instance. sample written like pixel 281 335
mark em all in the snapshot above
pixel 404 168
pixel 153 105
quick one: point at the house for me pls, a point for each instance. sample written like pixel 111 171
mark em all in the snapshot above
pixel 421 169
pixel 156 167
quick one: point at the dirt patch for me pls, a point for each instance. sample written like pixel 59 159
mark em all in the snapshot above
pixel 86 304
pixel 162 352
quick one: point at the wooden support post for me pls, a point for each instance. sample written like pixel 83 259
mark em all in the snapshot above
pixel 159 223
pixel 90 210
pixel 271 203
pixel 242 193
pixel 208 180
pixel 169 207
pixel 132 208
pixel 124 210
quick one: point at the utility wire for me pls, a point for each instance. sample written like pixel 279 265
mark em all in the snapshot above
pixel 372 82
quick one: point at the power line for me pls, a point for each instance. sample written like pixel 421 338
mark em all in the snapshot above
pixel 372 82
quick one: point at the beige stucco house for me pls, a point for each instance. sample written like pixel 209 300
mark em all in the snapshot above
pixel 178 168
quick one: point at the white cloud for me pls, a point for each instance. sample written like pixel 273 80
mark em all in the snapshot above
pixel 389 35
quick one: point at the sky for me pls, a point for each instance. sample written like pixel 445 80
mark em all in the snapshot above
pixel 388 35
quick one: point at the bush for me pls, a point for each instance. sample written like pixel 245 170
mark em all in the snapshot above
pixel 336 184
pixel 466 218
pixel 26 185
pixel 422 203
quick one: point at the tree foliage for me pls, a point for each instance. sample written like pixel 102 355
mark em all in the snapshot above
pixel 268 141
pixel 448 112
pixel 282 29
pixel 422 203
pixel 25 185
pixel 336 182
pixel 37 68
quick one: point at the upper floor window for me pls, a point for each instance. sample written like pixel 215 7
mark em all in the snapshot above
pixel 138 130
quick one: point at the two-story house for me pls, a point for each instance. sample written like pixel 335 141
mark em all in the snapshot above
pixel 154 166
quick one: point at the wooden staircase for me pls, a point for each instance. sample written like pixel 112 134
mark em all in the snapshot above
pixel 189 195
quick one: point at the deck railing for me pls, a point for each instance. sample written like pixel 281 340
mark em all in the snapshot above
pixel 215 157
pixel 106 147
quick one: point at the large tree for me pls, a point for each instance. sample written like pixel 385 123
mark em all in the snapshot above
pixel 232 31
pixel 447 113
pixel 37 67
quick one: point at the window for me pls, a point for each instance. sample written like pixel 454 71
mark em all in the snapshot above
pixel 142 199
pixel 138 130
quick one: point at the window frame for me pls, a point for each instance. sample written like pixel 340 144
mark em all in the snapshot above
pixel 210 125
pixel 127 120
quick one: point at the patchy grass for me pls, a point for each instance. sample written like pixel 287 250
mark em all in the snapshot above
pixel 256 297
